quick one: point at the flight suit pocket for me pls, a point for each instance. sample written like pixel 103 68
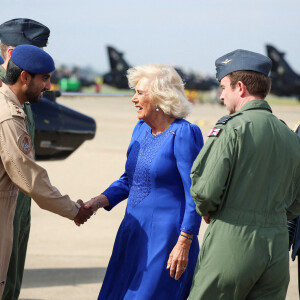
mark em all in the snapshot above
pixel 204 245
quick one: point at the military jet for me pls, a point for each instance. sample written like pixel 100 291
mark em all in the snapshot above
pixel 59 130
pixel 285 82
pixel 119 66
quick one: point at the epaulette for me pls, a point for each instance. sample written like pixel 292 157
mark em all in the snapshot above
pixel 9 110
pixel 16 111
pixel 5 112
pixel 225 119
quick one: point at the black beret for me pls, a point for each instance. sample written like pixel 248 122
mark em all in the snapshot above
pixel 242 60
pixel 32 59
pixel 24 31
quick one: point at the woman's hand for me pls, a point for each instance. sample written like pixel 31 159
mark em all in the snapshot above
pixel 97 202
pixel 179 257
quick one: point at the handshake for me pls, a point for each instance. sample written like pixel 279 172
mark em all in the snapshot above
pixel 87 209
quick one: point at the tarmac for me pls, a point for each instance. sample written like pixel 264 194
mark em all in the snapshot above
pixel 67 262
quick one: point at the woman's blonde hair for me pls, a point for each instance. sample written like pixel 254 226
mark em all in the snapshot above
pixel 166 88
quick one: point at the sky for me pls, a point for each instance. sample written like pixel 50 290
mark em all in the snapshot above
pixel 187 33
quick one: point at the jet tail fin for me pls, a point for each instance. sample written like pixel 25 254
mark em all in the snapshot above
pixel 116 60
pixel 280 67
pixel 118 68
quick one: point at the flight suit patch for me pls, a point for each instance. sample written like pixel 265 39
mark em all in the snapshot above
pixel 25 143
pixel 214 132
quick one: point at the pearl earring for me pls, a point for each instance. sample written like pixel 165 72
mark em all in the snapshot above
pixel 156 107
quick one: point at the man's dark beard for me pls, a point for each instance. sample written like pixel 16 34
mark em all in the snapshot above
pixel 31 94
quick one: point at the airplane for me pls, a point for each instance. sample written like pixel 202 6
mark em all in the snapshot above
pixel 119 66
pixel 285 81
pixel 59 130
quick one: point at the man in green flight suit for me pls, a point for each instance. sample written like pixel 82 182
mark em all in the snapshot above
pixel 13 33
pixel 246 184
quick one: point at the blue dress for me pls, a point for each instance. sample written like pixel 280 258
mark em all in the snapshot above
pixel 157 184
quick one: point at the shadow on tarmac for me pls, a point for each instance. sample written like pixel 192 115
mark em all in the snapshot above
pixel 34 278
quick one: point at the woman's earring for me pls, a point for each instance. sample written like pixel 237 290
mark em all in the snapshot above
pixel 156 107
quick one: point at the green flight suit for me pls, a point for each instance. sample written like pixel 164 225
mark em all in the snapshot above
pixel 21 227
pixel 247 177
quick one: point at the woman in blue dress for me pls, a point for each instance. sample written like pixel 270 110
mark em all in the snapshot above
pixel 156 247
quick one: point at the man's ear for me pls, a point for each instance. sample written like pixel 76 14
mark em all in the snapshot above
pixel 9 51
pixel 25 77
pixel 242 88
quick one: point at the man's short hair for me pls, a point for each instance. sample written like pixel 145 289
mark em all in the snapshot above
pixel 257 83
pixel 12 73
pixel 3 49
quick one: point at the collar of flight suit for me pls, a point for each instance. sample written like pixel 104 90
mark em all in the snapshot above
pixel 13 101
pixel 256 104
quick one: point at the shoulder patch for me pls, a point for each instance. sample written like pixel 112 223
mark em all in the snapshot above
pixel 214 132
pixel 25 143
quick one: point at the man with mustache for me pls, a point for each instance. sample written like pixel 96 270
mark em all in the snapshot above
pixel 13 33
pixel 28 75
